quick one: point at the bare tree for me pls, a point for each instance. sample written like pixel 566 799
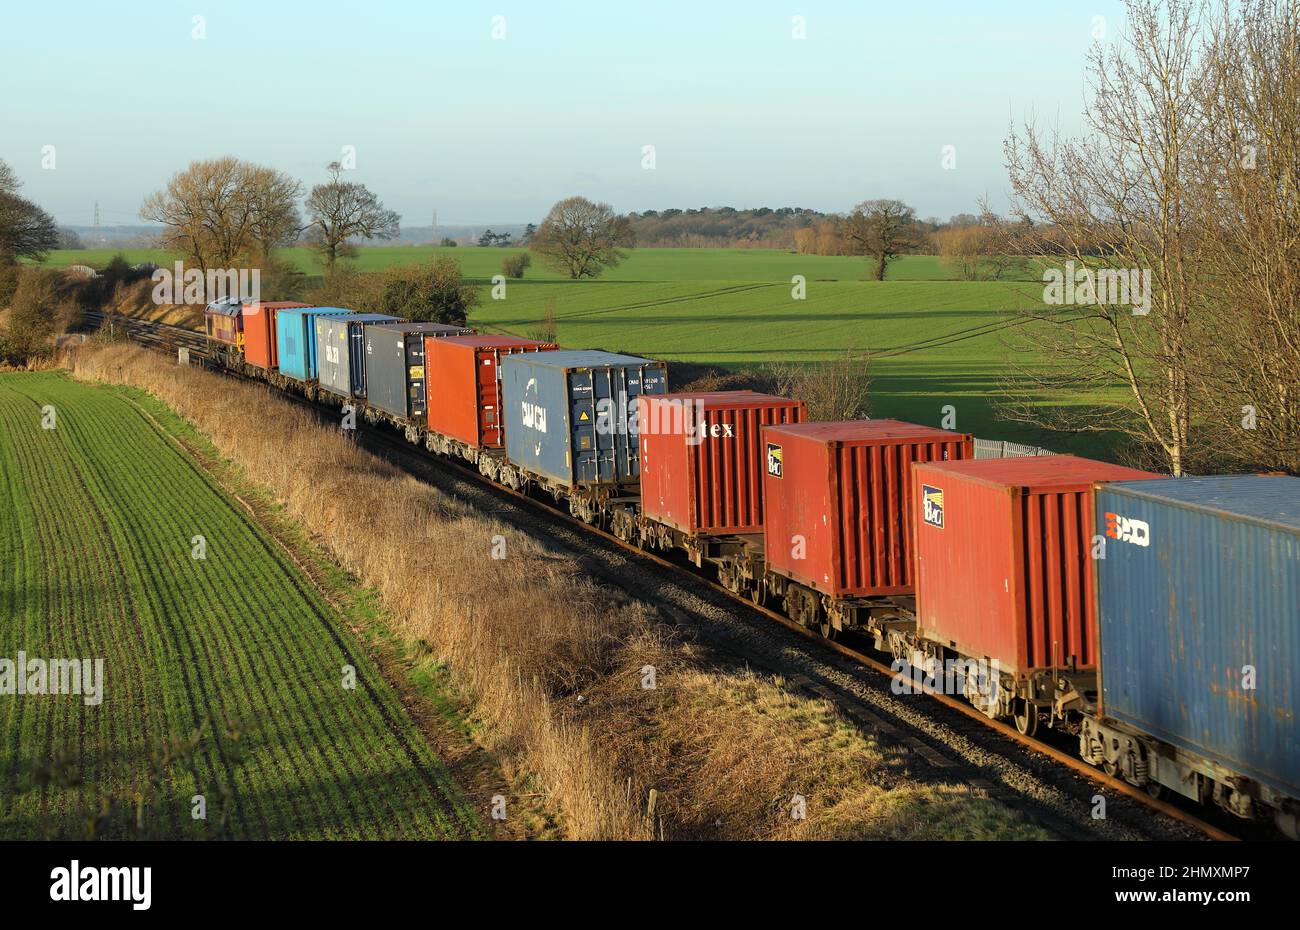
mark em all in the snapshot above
pixel 26 231
pixel 274 221
pixel 9 182
pixel 980 249
pixel 1247 201
pixel 882 230
pixel 1125 185
pixel 344 210
pixel 582 238
pixel 220 211
pixel 838 389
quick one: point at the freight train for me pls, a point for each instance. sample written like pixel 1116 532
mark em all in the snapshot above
pixel 1157 620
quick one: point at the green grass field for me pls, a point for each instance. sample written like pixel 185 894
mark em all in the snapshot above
pixel 935 341
pixel 223 676
pixel 765 265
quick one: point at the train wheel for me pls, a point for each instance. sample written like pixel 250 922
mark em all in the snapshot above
pixel 1110 768
pixel 827 629
pixel 758 594
pixel 1155 789
pixel 1025 716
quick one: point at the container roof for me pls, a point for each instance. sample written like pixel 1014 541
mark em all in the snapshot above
pixel 725 398
pixel 1039 471
pixel 368 318
pixel 275 305
pixel 319 311
pixel 488 341
pixel 866 431
pixel 409 326
pixel 581 358
pixel 1267 498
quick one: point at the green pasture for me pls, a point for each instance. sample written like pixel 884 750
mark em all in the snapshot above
pixel 934 340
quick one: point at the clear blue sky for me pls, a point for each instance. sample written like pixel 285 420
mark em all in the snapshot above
pixel 443 116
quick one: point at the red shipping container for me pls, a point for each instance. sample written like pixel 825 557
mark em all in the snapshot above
pixel 1004 566
pixel 463 385
pixel 839 495
pixel 702 458
pixel 259 331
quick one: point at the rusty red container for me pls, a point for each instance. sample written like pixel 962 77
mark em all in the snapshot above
pixel 838 499
pixel 463 379
pixel 259 331
pixel 1004 558
pixel 702 458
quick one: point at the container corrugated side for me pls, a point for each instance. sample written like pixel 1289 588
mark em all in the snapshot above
pixel 837 499
pixel 465 375
pixel 702 458
pixel 570 416
pixel 341 352
pixel 260 333
pixel 1003 558
pixel 295 334
pixel 1199 595
pixel 396 374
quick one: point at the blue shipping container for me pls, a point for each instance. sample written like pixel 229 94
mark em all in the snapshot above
pixel 341 351
pixel 295 339
pixel 571 415
pixel 1201 579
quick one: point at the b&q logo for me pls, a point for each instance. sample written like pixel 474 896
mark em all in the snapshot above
pixel 775 459
pixel 932 505
pixel 1128 530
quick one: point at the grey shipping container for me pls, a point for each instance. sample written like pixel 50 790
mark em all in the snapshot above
pixel 395 365
pixel 571 415
pixel 1199 618
pixel 341 352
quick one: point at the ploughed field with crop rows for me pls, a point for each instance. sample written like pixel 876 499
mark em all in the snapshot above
pixel 223 676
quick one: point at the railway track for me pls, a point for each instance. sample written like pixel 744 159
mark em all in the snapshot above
pixel 1045 782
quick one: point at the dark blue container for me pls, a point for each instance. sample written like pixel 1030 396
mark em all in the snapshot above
pixel 1201 579
pixel 570 416
pixel 341 351
pixel 295 337
pixel 395 365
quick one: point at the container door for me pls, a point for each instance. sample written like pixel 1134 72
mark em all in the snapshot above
pixel 415 374
pixel 582 418
pixel 273 341
pixel 308 346
pixel 487 389
pixel 632 382
pixel 292 360
pixel 355 375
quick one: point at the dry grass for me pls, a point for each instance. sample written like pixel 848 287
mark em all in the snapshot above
pixel 136 301
pixel 553 661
